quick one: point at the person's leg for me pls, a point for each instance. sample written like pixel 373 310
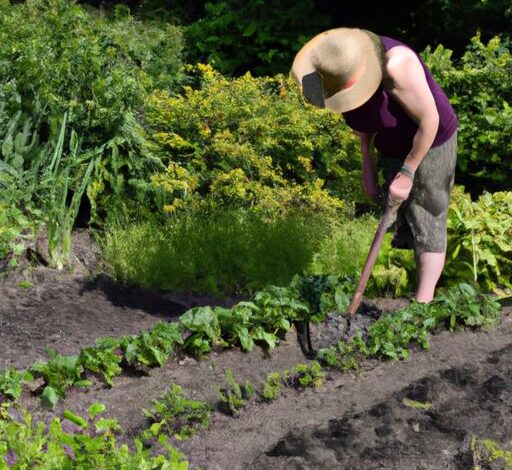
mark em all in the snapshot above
pixel 429 267
pixel 427 214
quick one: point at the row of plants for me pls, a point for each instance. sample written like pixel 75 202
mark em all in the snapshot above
pixel 74 441
pixel 201 329
pixel 264 320
pixel 391 335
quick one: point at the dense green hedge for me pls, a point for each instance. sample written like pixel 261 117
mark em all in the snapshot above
pixel 480 88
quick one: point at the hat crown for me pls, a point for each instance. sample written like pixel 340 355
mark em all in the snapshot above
pixel 337 56
pixel 339 69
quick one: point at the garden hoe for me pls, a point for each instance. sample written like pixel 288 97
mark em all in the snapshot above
pixel 303 330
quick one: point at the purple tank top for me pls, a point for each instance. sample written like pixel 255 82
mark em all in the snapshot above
pixel 394 129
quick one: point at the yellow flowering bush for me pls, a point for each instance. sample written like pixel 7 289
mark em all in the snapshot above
pixel 251 142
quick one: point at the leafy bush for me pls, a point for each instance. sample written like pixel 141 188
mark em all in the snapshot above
pixel 218 251
pixel 251 142
pixel 480 89
pixel 57 60
pixel 480 240
pixel 479 248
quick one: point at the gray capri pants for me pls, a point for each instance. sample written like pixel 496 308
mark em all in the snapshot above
pixel 422 219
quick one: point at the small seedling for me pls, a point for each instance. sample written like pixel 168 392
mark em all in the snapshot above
pixel 272 386
pixel 417 405
pixel 307 375
pixel 235 396
pixel 177 415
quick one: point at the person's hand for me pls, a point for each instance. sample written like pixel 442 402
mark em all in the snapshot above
pixel 400 188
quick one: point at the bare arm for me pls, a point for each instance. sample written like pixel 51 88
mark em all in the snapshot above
pixel 411 90
pixel 369 171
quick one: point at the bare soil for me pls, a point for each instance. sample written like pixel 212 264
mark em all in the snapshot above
pixel 353 421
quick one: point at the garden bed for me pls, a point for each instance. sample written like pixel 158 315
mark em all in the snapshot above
pixel 353 420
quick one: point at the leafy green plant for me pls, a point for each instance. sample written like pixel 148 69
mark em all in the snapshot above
pixel 234 397
pixel 203 324
pixel 463 303
pixel 307 375
pixel 345 355
pixel 76 442
pixel 60 373
pixel 61 214
pixel 272 386
pixel 300 376
pixel 11 382
pixel 480 240
pixel 102 360
pixel 324 293
pixel 153 347
pixel 241 324
pixel 487 451
pixel 177 415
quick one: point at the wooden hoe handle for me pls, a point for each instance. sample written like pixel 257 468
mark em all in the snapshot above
pixel 387 219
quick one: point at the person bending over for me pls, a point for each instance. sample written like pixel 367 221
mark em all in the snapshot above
pixel 388 96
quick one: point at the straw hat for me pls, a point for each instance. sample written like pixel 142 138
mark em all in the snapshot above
pixel 339 69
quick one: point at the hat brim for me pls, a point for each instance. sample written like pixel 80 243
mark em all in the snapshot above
pixel 304 73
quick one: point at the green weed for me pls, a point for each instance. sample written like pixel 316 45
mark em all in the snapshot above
pixel 234 397
pixel 177 415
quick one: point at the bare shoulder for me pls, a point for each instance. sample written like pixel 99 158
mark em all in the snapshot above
pixel 402 66
pixel 399 58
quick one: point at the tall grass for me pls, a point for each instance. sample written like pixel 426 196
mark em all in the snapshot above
pixel 345 250
pixel 219 252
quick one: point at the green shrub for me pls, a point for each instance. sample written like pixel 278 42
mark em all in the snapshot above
pixel 480 89
pixel 56 60
pixel 219 251
pixel 479 248
pixel 253 143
